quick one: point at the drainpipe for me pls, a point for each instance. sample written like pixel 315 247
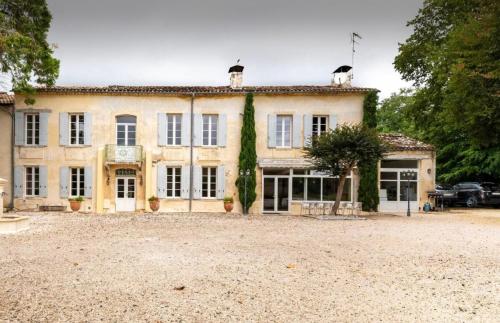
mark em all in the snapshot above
pixel 12 142
pixel 191 139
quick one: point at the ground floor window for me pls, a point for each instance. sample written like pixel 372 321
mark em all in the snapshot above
pixel 308 186
pixel 209 182
pixel 398 180
pixel 174 181
pixel 32 181
pixel 77 181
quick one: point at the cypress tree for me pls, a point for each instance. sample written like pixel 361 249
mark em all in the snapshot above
pixel 248 155
pixel 368 184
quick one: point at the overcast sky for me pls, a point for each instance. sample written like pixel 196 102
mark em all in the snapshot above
pixel 193 42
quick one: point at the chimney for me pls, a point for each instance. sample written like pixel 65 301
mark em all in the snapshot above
pixel 342 76
pixel 236 77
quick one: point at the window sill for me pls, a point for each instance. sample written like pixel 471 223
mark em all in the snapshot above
pixel 173 146
pixel 76 146
pixel 31 146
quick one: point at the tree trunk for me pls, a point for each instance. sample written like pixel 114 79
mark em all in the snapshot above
pixel 340 190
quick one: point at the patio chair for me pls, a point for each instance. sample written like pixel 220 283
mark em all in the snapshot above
pixel 357 208
pixel 346 208
pixel 305 206
pixel 320 207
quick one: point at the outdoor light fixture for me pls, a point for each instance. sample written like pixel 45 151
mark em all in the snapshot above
pixel 408 174
pixel 245 175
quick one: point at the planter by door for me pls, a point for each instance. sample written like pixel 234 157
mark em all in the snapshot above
pixel 75 205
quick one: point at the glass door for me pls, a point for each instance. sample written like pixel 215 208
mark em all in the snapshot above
pixel 282 196
pixel 125 194
pixel 275 194
pixel 268 194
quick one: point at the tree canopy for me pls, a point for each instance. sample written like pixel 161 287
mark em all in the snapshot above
pixel 453 59
pixel 338 151
pixel 25 53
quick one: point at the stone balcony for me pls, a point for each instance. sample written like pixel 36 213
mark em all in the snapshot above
pixel 115 154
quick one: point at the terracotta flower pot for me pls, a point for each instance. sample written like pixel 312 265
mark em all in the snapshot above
pixel 75 205
pixel 154 205
pixel 228 206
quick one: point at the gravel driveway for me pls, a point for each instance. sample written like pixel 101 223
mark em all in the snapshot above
pixel 440 267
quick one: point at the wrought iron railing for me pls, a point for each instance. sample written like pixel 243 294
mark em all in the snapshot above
pixel 123 154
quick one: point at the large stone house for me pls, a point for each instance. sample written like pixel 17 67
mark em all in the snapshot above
pixel 119 145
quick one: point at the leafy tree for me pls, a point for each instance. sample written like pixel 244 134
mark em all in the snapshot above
pixel 338 151
pixel 25 53
pixel 368 183
pixel 248 155
pixel 393 114
pixel 453 58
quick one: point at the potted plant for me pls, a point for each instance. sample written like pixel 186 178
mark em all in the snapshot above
pixel 154 203
pixel 75 203
pixel 228 203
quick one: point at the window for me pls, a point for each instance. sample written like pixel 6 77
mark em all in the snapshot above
pixel 283 131
pixel 125 130
pixel 319 125
pixel 312 186
pixel 402 163
pixel 76 129
pixel 77 182
pixel 209 182
pixel 32 129
pixel 394 185
pixel 173 181
pixel 210 129
pixel 32 181
pixel 174 126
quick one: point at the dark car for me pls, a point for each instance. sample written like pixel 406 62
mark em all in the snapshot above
pixel 447 193
pixel 474 193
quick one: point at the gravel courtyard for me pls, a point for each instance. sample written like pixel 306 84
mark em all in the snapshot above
pixel 160 268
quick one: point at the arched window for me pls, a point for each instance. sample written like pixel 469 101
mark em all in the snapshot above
pixel 125 130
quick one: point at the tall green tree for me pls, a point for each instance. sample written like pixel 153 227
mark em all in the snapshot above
pixel 338 151
pixel 368 183
pixel 453 59
pixel 393 114
pixel 248 155
pixel 25 54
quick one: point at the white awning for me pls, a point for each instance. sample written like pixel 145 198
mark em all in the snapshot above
pixel 284 163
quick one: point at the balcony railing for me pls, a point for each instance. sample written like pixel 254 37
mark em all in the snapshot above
pixel 123 154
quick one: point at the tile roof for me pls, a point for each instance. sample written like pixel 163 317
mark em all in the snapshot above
pixel 399 142
pixel 204 90
pixel 6 99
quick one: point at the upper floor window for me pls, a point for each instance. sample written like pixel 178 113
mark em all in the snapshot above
pixel 284 131
pixel 209 182
pixel 174 129
pixel 210 129
pixel 173 182
pixel 32 126
pixel 319 125
pixel 125 130
pixel 76 129
pixel 78 181
pixel 32 181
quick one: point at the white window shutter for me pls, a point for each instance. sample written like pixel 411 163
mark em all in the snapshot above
pixel 88 182
pixel 186 129
pixel 332 121
pixel 44 128
pixel 19 128
pixel 197 182
pixel 43 185
pixel 297 131
pixel 162 129
pixel 87 129
pixel 161 181
pixel 271 130
pixel 185 175
pixel 198 130
pixel 64 182
pixel 18 181
pixel 222 130
pixel 307 128
pixel 221 182
pixel 63 129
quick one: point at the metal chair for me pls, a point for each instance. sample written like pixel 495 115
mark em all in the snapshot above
pixel 357 208
pixel 305 206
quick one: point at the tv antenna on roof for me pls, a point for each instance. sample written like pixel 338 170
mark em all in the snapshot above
pixel 354 36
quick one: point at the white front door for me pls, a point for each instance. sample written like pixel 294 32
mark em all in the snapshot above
pixel 125 194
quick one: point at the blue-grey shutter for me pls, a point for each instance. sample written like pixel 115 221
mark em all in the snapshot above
pixel 64 182
pixel 271 130
pixel 333 121
pixel 297 131
pixel 196 182
pixel 221 182
pixel 186 129
pixel 19 128
pixel 222 130
pixel 87 126
pixel 43 185
pixel 44 128
pixel 198 129
pixel 63 129
pixel 161 180
pixel 307 128
pixel 18 181
pixel 88 182
pixel 185 173
pixel 162 129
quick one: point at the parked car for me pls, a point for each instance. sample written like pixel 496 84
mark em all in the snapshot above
pixel 474 193
pixel 448 194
